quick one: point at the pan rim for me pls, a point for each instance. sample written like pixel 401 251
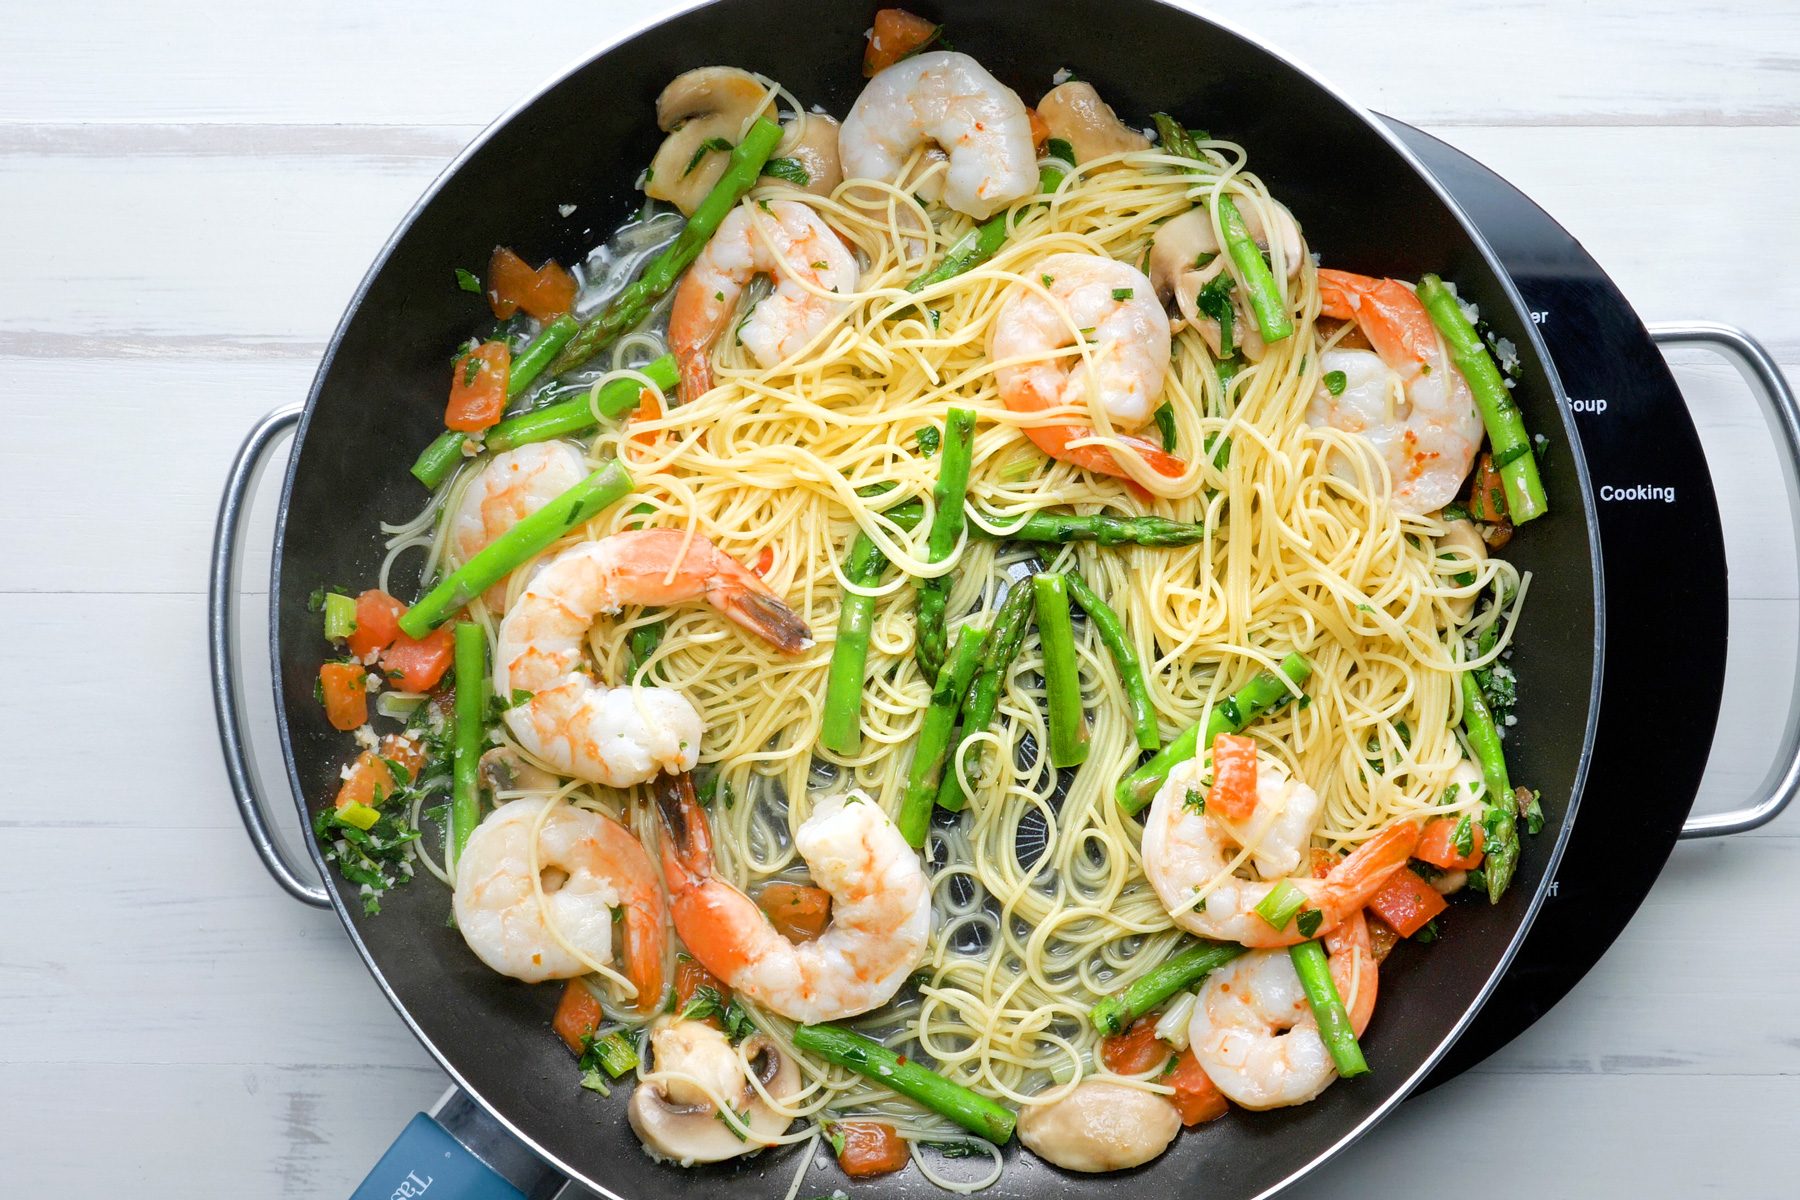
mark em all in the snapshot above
pixel 1371 121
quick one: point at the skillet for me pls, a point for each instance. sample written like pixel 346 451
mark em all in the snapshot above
pixel 1364 202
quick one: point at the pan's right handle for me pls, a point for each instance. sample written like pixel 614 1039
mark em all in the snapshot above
pixel 221 603
pixel 1783 414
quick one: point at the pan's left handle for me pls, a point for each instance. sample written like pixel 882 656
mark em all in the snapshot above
pixel 221 605
pixel 1782 411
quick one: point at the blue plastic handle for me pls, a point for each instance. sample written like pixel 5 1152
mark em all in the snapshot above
pixel 424 1161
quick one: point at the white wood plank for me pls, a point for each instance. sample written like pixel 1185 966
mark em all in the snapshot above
pixel 1531 61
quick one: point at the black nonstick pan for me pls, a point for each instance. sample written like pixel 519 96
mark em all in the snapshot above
pixel 1363 200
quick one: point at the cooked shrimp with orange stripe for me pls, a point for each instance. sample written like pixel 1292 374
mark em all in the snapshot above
pixel 953 625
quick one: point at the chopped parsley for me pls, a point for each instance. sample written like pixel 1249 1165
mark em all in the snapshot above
pixel 1195 800
pixel 738 1024
pixel 1123 293
pixel 376 859
pixel 1336 382
pixel 928 438
pixel 738 1126
pixel 467 281
pixel 707 147
pixel 706 1002
pixel 1165 425
pixel 1308 922
pixel 788 170
pixel 1215 301
pixel 1060 148
pixel 1463 840
pixel 1048 279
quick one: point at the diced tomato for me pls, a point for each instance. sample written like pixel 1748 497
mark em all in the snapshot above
pixel 647 410
pixel 690 977
pixel 1487 495
pixel 1136 1050
pixel 897 33
pixel 1196 1098
pixel 798 912
pixel 577 1015
pixel 1435 845
pixel 764 562
pixel 1040 130
pixel 1407 902
pixel 478 388
pixel 416 664
pixel 1233 793
pixel 370 780
pixel 1381 938
pixel 377 621
pixel 346 695
pixel 870 1148
pixel 512 285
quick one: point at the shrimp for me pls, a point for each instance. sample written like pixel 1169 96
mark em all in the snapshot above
pixel 592 871
pixel 1253 1031
pixel 620 736
pixel 786 240
pixel 880 919
pixel 1407 398
pixel 511 487
pixel 1127 332
pixel 947 99
pixel 1186 849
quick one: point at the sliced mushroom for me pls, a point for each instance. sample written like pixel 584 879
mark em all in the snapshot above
pixel 812 141
pixel 702 107
pixel 673 1111
pixel 504 769
pixel 1464 537
pixel 1185 257
pixel 1100 1126
pixel 1075 113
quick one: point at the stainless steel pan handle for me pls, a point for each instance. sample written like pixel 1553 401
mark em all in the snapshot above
pixel 221 605
pixel 1783 413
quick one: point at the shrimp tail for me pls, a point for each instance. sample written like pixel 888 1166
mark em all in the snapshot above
pixel 768 617
pixel 696 374
pixel 687 842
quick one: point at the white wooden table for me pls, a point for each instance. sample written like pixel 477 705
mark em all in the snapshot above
pixel 188 194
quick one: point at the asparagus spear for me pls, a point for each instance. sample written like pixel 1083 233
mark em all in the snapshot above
pixel 1174 137
pixel 1328 1009
pixel 1102 528
pixel 1125 658
pixel 968 251
pixel 469 660
pixel 532 360
pixel 630 306
pixel 1237 710
pixel 505 553
pixel 1525 497
pixel 540 425
pixel 984 694
pixel 840 728
pixel 946 527
pixel 1260 287
pixel 1500 819
pixel 1189 967
pixel 933 741
pixel 871 1059
pixel 1062 677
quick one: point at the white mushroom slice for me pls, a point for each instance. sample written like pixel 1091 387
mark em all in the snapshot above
pixel 504 769
pixel 1462 538
pixel 673 1112
pixel 812 141
pixel 1185 256
pixel 702 107
pixel 1100 1126
pixel 1075 113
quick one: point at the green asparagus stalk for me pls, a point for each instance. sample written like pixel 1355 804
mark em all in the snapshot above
pixel 1260 287
pixel 1500 819
pixel 954 458
pixel 933 741
pixel 540 425
pixel 507 552
pixel 1264 690
pixel 1174 137
pixel 967 252
pixel 632 305
pixel 871 1059
pixel 537 355
pixel 1101 528
pixel 840 728
pixel 469 661
pixel 1525 497
pixel 1189 967
pixel 984 694
pixel 1062 675
pixel 1328 1009
pixel 1125 659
